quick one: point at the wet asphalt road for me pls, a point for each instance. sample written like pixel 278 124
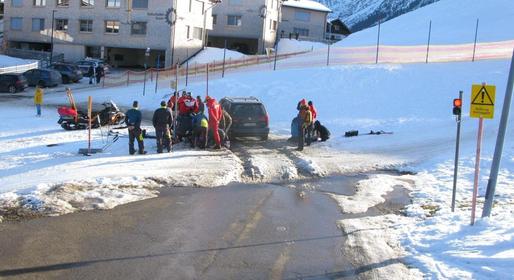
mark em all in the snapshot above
pixel 234 232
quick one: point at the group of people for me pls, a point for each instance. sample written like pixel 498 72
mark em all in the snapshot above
pixel 305 128
pixel 181 118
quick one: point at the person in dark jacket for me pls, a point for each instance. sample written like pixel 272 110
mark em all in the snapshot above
pixel 133 119
pixel 201 105
pixel 99 73
pixel 200 131
pixel 162 121
pixel 91 74
pixel 321 131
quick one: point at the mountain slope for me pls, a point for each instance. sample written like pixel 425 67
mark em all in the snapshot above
pixel 360 14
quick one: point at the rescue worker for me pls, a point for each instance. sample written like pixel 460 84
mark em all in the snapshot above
pixel 171 102
pixel 226 123
pixel 133 119
pixel 215 115
pixel 38 99
pixel 310 129
pixel 99 73
pixel 305 116
pixel 162 121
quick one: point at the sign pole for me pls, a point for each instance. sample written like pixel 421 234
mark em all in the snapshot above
pixel 457 149
pixel 175 119
pixel 477 169
pixel 89 115
pixel 493 177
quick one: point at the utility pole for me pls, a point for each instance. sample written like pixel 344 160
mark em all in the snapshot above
pixel 52 37
pixel 495 167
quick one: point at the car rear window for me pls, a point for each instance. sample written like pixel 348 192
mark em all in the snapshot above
pixel 247 110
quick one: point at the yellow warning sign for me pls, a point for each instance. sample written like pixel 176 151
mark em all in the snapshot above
pixel 482 101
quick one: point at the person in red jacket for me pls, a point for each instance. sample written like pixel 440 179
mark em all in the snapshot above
pixel 313 111
pixel 215 115
pixel 171 102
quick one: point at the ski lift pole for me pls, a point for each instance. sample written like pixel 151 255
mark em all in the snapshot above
pixel 224 57
pixel 207 89
pixel 175 120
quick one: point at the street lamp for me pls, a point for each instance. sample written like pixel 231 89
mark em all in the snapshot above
pixel 147 54
pixel 52 37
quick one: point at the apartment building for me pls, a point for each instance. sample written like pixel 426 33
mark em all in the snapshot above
pixel 248 26
pixel 306 18
pixel 119 31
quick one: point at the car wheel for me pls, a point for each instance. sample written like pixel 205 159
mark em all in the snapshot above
pixel 65 79
pixel 11 89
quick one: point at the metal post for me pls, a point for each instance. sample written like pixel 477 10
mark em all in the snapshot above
pixel 157 74
pixel 144 82
pixel 52 38
pixel 187 66
pixel 495 167
pixel 89 116
pixel 207 73
pixel 429 37
pixel 378 42
pixel 477 169
pixel 276 54
pixel 328 54
pixel 476 37
pixel 175 117
pixel 457 150
pixel 224 57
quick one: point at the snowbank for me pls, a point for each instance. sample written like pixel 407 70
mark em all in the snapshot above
pixel 453 22
pixel 8 61
pixel 210 55
pixel 293 46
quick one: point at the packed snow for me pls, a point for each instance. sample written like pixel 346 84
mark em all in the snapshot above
pixel 211 55
pixel 307 4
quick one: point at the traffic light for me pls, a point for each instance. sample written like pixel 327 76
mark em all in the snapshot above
pixel 457 106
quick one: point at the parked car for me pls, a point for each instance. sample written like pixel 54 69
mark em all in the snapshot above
pixel 249 117
pixel 86 63
pixel 43 77
pixel 70 73
pixel 12 83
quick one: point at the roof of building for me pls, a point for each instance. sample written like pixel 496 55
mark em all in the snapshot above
pixel 307 4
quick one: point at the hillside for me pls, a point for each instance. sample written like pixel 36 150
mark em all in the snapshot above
pixel 361 14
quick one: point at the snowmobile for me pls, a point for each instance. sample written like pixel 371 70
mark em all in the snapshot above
pixel 74 118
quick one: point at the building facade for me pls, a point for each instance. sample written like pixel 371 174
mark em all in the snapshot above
pixel 119 31
pixel 305 18
pixel 248 26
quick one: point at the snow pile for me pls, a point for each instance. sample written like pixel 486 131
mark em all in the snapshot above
pixel 455 27
pixel 210 55
pixel 294 46
pixel 7 61
pixel 369 193
pixel 309 166
pixel 307 4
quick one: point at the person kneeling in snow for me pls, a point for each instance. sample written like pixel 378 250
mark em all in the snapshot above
pixel 321 131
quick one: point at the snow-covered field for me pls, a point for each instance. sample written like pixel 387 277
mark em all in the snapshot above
pixel 210 55
pixel 412 101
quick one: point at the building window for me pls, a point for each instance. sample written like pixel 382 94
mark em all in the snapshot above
pixel 302 32
pixel 39 3
pixel 86 25
pixel 87 3
pixel 112 3
pixel 234 20
pixel 302 16
pixel 16 23
pixel 139 4
pixel 138 28
pixel 214 19
pixel 273 25
pixel 63 3
pixel 61 24
pixel 197 33
pixel 112 26
pixel 17 3
pixel 38 24
pixel 188 32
